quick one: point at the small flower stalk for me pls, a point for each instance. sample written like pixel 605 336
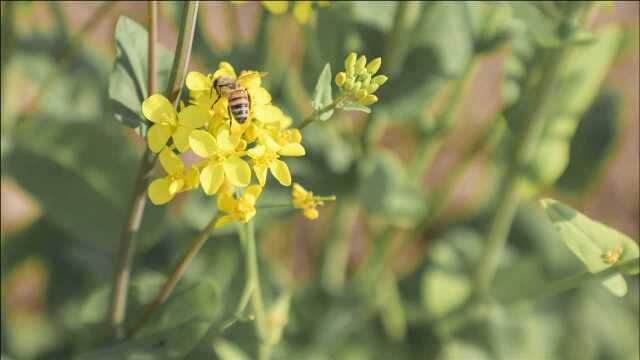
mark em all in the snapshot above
pixel 307 202
pixel 359 81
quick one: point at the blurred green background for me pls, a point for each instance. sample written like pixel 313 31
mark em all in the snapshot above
pixel 68 168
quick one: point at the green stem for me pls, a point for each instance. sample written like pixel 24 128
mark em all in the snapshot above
pixel 336 258
pixel 533 121
pixel 253 277
pixel 400 36
pixel 433 142
pixel 311 118
pixel 175 276
pixel 138 199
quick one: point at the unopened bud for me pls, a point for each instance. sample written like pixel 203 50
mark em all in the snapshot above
pixel 368 100
pixel 341 77
pixel 374 66
pixel 372 88
pixel 361 94
pixel 350 61
pixel 380 79
pixel 360 64
pixel 348 85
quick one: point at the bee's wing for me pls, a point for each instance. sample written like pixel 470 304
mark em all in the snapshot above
pixel 250 78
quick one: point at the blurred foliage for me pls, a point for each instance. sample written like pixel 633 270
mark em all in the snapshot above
pixel 76 160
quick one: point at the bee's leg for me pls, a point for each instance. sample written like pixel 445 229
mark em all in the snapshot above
pixel 230 116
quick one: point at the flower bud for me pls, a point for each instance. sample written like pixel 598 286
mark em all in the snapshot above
pixel 372 88
pixel 341 77
pixel 348 85
pixel 361 94
pixel 366 79
pixel 360 64
pixel 350 61
pixel 380 79
pixel 374 66
pixel 368 100
pixel 356 87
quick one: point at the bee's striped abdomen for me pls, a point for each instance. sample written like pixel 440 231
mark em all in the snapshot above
pixel 239 104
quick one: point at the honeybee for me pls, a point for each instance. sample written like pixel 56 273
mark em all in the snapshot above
pixel 236 94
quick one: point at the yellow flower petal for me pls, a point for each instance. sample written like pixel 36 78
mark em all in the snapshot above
pixel 192 179
pixel 311 213
pixel 292 149
pixel 224 69
pixel 237 171
pixel 271 144
pixel 224 142
pixel 211 178
pixel 256 152
pixel 193 116
pixel 295 134
pixel 176 186
pixel 254 191
pixel 280 170
pixel 223 221
pixel 276 7
pixel 261 173
pixel 302 11
pixel 181 138
pixel 267 113
pixel 251 79
pixel 197 81
pixel 202 143
pixel 159 191
pixel 159 110
pixel 170 162
pixel 157 137
pixel 226 203
pixel 259 95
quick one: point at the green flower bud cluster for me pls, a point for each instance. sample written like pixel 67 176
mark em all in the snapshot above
pixel 359 80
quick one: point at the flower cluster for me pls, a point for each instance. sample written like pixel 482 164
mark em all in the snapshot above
pixel 230 151
pixel 358 81
pixel 301 9
pixel 303 199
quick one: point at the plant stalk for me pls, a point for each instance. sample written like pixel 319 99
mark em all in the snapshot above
pixel 175 276
pixel 533 119
pixel 138 200
pixel 253 277
pixel 311 118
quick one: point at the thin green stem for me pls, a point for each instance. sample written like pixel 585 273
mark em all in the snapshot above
pixel 311 118
pixel 533 121
pixel 152 75
pixel 175 276
pixel 147 163
pixel 253 277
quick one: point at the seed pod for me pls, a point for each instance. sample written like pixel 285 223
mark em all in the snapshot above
pixel 341 77
pixel 380 79
pixel 368 100
pixel 374 66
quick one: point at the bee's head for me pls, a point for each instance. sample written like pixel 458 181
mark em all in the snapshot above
pixel 224 82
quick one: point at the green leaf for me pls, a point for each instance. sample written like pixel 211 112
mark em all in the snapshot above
pixel 590 240
pixel 444 291
pixel 354 106
pixel 322 94
pixel 129 77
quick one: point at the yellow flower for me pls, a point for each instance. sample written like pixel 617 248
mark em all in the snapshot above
pixel 358 82
pixel 202 94
pixel 263 158
pixel 223 153
pixel 303 199
pixel 179 179
pixel 238 209
pixel 168 123
pixel 301 9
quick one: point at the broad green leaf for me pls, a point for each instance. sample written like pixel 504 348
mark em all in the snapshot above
pixel 590 241
pixel 128 81
pixel 592 145
pixel 443 291
pixel 354 106
pixel 322 94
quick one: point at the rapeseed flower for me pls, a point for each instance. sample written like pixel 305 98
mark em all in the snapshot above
pixel 302 10
pixel 178 180
pixel 240 208
pixel 305 200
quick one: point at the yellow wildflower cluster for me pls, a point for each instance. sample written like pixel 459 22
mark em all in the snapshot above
pixel 303 199
pixel 301 9
pixel 358 81
pixel 229 150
